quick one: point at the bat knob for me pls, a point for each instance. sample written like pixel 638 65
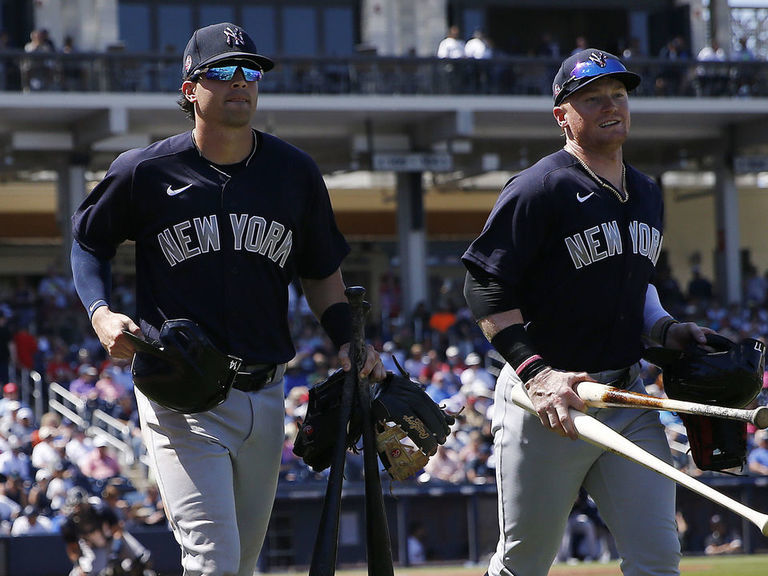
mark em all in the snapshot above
pixel 355 294
pixel 761 417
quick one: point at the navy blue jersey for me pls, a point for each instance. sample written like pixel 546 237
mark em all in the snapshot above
pixel 207 235
pixel 577 260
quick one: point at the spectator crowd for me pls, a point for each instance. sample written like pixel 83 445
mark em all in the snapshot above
pixel 472 63
pixel 673 70
pixel 44 456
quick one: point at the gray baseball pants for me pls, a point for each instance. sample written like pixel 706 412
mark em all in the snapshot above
pixel 539 474
pixel 217 474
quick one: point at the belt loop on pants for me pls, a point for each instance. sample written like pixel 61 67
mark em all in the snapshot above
pixel 258 376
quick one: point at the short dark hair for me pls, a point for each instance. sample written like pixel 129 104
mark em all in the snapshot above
pixel 187 107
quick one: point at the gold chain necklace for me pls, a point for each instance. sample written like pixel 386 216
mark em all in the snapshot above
pixel 621 197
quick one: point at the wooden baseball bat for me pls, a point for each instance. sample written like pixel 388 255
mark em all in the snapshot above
pixel 378 543
pixel 595 432
pixel 602 396
pixel 323 561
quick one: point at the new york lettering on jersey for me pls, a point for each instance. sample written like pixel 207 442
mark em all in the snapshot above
pixel 250 233
pixel 603 241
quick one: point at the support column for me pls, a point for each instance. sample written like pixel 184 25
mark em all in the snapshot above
pixel 411 240
pixel 93 24
pixel 720 23
pixel 71 191
pixel 398 27
pixel 727 250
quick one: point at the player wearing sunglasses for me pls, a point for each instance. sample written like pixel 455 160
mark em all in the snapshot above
pixel 222 92
pixel 227 71
pixel 559 281
pixel 224 218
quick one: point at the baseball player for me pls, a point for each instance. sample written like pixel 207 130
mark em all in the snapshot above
pixel 223 218
pixel 559 282
pixel 96 539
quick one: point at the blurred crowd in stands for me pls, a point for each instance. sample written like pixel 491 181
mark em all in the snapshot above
pixel 709 74
pixel 472 63
pixel 43 329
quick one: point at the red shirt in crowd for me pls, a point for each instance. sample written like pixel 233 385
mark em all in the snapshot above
pixel 26 348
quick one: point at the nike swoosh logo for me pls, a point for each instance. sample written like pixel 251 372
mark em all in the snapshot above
pixel 579 197
pixel 174 191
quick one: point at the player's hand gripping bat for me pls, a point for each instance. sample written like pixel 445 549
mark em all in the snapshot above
pixel 603 436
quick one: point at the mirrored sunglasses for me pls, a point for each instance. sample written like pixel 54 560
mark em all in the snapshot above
pixel 590 69
pixel 226 73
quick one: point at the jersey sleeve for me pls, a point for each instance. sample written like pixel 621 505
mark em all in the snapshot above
pixel 323 246
pixel 518 224
pixel 103 219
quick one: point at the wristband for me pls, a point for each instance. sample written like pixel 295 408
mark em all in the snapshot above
pixel 337 323
pixel 665 330
pixel 661 328
pixel 515 346
pixel 95 306
pixel 520 369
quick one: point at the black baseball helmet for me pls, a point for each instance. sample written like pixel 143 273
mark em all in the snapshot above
pixel 586 66
pixel 731 375
pixel 184 371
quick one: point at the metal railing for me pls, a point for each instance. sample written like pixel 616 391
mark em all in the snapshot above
pixel 115 432
pixel 366 74
pixel 96 423
pixel 68 405
pixel 31 390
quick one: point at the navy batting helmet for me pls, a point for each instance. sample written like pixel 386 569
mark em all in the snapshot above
pixel 731 375
pixel 183 371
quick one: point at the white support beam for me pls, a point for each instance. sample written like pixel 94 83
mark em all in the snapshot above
pixel 42 141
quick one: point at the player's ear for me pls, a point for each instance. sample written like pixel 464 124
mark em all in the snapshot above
pixel 188 89
pixel 559 113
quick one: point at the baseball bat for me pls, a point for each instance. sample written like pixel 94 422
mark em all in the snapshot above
pixel 595 432
pixel 604 396
pixel 323 561
pixel 378 543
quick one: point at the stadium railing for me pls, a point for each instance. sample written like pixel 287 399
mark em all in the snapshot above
pixel 120 71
